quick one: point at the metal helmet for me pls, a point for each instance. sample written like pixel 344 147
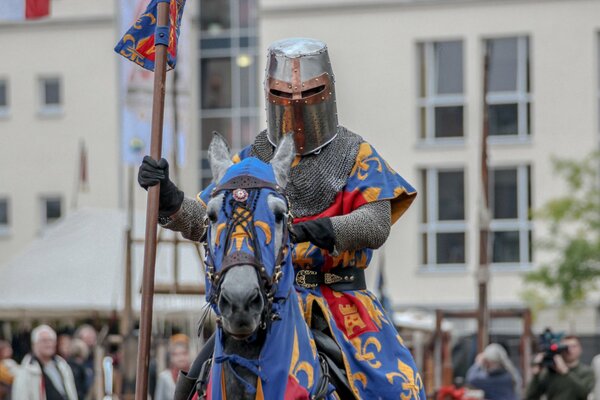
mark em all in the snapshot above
pixel 300 94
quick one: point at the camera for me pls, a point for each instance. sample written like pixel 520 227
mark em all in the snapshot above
pixel 550 346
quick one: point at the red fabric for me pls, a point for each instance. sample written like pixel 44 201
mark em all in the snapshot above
pixel 293 390
pixel 350 315
pixel 344 203
pixel 36 8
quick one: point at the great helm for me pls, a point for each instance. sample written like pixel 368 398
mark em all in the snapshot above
pixel 300 94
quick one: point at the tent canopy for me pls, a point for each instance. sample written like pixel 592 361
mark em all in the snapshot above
pixel 77 267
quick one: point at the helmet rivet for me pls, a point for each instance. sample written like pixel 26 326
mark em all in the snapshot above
pixel 296 87
pixel 317 79
pixel 323 98
pixel 276 83
pixel 289 87
pixel 303 85
pixel 305 101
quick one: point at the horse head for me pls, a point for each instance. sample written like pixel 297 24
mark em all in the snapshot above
pixel 248 258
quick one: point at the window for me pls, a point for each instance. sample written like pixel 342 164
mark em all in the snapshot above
pixel 4 218
pixel 510 202
pixel 443 226
pixel 229 85
pixel 508 91
pixel 3 97
pixel 50 95
pixel 51 209
pixel 441 99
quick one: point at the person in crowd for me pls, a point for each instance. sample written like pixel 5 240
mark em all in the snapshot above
pixel 564 377
pixel 44 375
pixel 6 380
pixel 79 354
pixel 495 374
pixel 179 360
pixel 6 357
pixel 88 335
pixel 63 346
pixel 596 368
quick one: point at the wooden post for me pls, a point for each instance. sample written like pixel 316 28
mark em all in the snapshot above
pixel 483 273
pixel 158 105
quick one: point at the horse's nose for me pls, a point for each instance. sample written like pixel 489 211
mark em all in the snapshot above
pixel 240 292
pixel 235 301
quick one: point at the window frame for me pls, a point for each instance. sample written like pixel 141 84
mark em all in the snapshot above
pixel 5 229
pixel 44 209
pixel 236 112
pixel 50 110
pixel 431 99
pixel 523 224
pixel 522 96
pixel 5 110
pixel 432 226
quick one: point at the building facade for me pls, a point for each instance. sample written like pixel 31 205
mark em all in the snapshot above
pixel 409 78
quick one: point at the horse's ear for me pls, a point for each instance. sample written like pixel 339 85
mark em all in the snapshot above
pixel 282 160
pixel 218 156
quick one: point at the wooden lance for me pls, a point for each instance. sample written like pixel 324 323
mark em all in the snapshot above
pixel 158 106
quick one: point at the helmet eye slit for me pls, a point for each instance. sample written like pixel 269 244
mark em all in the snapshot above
pixel 313 91
pixel 279 93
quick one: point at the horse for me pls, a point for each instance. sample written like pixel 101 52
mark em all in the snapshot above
pixel 263 347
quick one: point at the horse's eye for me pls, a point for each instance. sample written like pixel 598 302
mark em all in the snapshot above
pixel 212 216
pixel 279 216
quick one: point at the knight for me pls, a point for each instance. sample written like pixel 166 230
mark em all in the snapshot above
pixel 344 198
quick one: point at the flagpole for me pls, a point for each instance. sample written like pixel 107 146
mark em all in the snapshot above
pixel 158 105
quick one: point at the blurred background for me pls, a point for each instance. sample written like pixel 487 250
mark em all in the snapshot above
pixel 74 125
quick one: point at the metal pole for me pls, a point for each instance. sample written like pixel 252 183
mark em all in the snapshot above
pixel 158 104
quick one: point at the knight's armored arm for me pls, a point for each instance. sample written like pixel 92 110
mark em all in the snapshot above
pixel 175 212
pixel 189 220
pixel 366 227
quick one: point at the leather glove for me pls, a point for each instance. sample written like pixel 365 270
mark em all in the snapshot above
pixel 319 232
pixel 153 172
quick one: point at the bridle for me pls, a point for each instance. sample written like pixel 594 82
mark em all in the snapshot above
pixel 242 193
pixel 240 213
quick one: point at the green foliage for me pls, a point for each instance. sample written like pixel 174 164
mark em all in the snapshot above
pixel 574 240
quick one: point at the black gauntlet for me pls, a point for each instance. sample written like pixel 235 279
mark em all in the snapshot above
pixel 151 173
pixel 319 232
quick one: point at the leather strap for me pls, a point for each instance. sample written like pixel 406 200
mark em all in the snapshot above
pixel 246 182
pixel 339 279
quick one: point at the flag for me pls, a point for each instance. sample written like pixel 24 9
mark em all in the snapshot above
pixel 138 43
pixel 135 92
pixel 20 10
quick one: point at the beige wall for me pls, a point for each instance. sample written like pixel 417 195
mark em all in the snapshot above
pixel 39 155
pixel 373 51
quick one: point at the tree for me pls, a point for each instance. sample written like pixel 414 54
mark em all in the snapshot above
pixel 573 242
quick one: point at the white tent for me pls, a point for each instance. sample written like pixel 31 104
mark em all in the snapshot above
pixel 76 268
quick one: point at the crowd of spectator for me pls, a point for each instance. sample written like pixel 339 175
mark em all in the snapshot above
pixel 60 366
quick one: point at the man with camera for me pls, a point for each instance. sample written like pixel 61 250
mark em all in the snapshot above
pixel 558 374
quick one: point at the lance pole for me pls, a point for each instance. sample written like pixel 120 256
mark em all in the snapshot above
pixel 158 105
pixel 483 272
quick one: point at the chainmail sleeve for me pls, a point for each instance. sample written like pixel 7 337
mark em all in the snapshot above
pixel 366 227
pixel 188 220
